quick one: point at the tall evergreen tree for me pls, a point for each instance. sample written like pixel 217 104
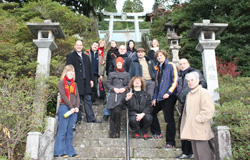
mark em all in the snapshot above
pixel 132 6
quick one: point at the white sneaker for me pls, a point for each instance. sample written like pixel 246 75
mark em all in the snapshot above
pixel 191 156
pixel 183 156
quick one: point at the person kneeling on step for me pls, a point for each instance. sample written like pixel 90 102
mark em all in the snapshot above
pixel 139 105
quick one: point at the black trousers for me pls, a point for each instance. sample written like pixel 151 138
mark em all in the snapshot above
pixel 115 120
pixel 90 116
pixel 167 105
pixel 94 89
pixel 185 144
pixel 141 127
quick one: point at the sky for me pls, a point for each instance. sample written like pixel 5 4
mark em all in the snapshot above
pixel 147 5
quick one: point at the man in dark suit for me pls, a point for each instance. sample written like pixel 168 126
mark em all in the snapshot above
pixel 84 80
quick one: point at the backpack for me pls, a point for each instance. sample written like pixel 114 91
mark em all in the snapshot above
pixel 101 94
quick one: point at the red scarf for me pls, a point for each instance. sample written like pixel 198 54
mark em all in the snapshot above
pixel 69 88
pixel 120 70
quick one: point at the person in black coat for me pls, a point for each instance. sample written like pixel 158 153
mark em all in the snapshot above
pixel 111 55
pixel 139 106
pixel 131 51
pixel 127 61
pixel 84 80
pixel 182 91
pixel 153 49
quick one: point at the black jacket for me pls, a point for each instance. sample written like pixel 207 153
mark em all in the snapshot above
pixel 127 62
pixel 111 55
pixel 151 55
pixel 144 106
pixel 74 59
pixel 135 68
pixel 183 88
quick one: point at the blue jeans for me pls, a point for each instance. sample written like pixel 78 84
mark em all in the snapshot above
pixel 64 137
pixel 106 111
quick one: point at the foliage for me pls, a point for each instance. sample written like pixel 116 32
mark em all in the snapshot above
pixel 18 114
pixel 85 7
pixel 230 68
pixel 157 32
pixel 234 113
pixel 132 6
pixel 234 40
pixel 19 57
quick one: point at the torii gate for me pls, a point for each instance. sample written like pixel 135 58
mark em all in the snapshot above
pixel 124 19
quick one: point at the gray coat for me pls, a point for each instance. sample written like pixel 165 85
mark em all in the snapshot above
pixel 117 80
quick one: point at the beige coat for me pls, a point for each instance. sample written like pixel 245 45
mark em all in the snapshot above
pixel 198 111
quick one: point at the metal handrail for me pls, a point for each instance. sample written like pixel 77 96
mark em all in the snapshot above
pixel 127 137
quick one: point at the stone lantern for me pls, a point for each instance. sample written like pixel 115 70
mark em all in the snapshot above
pixel 207 32
pixel 173 40
pixel 46 33
pixel 38 147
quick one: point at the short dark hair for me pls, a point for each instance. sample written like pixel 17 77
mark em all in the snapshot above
pixel 95 42
pixel 165 54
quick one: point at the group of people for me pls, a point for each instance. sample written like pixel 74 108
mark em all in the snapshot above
pixel 145 86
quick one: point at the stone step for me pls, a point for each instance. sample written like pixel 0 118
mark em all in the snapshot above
pixel 120 142
pixel 105 134
pixel 119 152
pixel 83 158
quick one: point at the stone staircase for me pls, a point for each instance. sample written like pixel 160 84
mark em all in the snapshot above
pixel 92 142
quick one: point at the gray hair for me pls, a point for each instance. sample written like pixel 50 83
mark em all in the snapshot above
pixel 195 74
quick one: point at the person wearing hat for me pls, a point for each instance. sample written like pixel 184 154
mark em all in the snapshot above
pixel 117 83
pixel 123 54
pixel 144 67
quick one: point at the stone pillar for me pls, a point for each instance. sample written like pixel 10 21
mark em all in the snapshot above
pixel 209 65
pixel 207 32
pixel 46 45
pixel 32 145
pixel 175 54
pixel 111 23
pixel 137 29
pixel 223 143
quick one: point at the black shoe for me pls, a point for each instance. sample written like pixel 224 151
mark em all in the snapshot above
pixel 62 155
pixel 106 117
pixel 95 121
pixel 75 155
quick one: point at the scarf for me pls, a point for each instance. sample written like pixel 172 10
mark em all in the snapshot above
pixel 113 49
pixel 69 88
pixel 101 51
pixel 119 70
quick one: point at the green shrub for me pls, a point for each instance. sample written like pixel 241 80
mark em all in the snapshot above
pixel 18 114
pixel 234 113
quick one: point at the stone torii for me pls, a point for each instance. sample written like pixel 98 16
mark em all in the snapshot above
pixel 124 19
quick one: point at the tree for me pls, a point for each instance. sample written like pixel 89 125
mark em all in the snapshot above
pixel 132 6
pixel 234 40
pixel 18 62
pixel 85 7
